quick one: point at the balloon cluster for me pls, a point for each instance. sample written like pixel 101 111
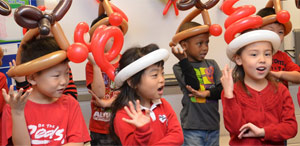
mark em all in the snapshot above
pixel 239 19
pixel 100 34
pixel 4 8
pixel 213 29
pixel 187 4
pixel 40 23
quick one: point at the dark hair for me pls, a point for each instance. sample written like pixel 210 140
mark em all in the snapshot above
pixel 187 26
pixel 128 93
pixel 98 19
pixel 38 47
pixel 238 74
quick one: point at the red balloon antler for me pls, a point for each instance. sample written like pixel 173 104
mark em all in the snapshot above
pixel 239 19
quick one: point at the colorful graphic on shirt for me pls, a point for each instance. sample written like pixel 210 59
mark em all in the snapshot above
pixel 278 65
pixel 206 80
pixel 43 134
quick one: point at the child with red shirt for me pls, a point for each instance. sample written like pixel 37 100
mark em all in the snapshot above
pixel 139 115
pixel 3 85
pixel 257 110
pixel 43 115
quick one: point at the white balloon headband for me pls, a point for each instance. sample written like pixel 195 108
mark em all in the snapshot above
pixel 251 37
pixel 140 64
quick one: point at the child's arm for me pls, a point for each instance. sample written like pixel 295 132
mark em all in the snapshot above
pixel 213 93
pixel 74 144
pixel 187 69
pixel 17 102
pixel 97 85
pixel 287 127
pixel 102 102
pixel 233 118
pixel 290 76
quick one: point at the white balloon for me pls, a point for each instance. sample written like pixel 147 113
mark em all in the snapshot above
pixel 140 64
pixel 251 37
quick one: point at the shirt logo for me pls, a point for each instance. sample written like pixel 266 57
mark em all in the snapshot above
pixel 162 118
pixel 45 133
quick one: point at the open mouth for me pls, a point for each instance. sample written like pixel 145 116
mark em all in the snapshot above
pixel 261 68
pixel 160 89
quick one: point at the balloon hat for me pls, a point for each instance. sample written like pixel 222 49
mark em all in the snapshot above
pixel 214 29
pixel 100 33
pixel 4 8
pixel 281 16
pixel 140 64
pixel 41 24
pixel 239 20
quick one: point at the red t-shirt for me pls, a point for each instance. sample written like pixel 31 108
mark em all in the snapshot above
pixel 164 130
pixel 273 111
pixel 282 62
pixel 3 84
pixel 57 123
pixel 99 122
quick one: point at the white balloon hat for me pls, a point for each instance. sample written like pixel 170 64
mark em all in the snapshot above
pixel 140 64
pixel 251 37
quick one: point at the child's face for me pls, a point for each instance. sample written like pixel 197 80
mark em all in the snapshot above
pixel 277 28
pixel 196 47
pixel 52 82
pixel 151 84
pixel 256 59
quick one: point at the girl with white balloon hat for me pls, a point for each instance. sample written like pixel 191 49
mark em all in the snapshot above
pixel 256 109
pixel 139 115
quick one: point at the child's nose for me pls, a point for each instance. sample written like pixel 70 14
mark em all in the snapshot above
pixel 262 58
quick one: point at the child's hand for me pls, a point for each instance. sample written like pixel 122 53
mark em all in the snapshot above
pixel 227 82
pixel 138 119
pixel 276 74
pixel 102 101
pixel 250 130
pixel 200 94
pixel 179 53
pixel 18 79
pixel 16 101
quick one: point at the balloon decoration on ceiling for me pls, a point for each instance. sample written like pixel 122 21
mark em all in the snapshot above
pixel 4 8
pixel 213 29
pixel 42 24
pixel 113 26
pixel 168 5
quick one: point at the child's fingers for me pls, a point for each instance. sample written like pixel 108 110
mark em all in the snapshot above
pixel 132 109
pixel 5 96
pixel 138 107
pixel 128 121
pixel 14 62
pixel 147 113
pixel 11 92
pixel 24 97
pixel 128 112
pixel 240 136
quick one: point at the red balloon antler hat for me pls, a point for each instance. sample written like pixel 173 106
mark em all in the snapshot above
pixel 239 20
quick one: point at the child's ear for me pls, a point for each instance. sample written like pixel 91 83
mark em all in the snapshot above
pixel 183 45
pixel 130 84
pixel 30 79
pixel 238 60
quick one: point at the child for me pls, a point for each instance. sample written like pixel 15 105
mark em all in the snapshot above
pixel 43 115
pixel 283 68
pixel 199 116
pixel 103 95
pixel 139 115
pixel 3 85
pixel 257 110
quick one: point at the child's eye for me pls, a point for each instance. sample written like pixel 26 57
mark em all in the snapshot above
pixel 154 75
pixel 55 76
pixel 253 54
pixel 268 54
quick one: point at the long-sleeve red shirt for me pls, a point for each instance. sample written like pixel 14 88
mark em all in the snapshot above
pixel 164 130
pixel 268 109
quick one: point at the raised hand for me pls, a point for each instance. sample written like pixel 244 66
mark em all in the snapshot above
pixel 227 82
pixel 16 101
pixel 196 93
pixel 250 130
pixel 18 79
pixel 138 118
pixel 179 53
pixel 102 101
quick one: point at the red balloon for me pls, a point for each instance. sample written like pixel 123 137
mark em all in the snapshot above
pixel 283 16
pixel 242 12
pixel 116 9
pixel 215 29
pixel 98 45
pixel 42 8
pixel 79 32
pixel 77 52
pixel 115 19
